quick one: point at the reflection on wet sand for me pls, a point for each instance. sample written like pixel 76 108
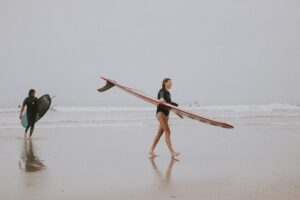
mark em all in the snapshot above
pixel 29 161
pixel 164 179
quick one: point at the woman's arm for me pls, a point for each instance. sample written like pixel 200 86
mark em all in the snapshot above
pixel 161 96
pixel 174 104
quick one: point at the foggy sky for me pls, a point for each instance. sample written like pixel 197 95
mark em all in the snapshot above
pixel 216 52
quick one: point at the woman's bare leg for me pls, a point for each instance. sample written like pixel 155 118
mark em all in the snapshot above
pixel 156 140
pixel 165 126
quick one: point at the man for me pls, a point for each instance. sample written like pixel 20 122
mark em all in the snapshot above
pixel 31 103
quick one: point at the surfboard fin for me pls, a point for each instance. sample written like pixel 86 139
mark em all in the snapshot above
pixel 107 86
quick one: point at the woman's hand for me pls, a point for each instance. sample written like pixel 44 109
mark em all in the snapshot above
pixel 162 100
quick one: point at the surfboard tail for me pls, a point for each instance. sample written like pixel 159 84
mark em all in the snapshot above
pixel 107 86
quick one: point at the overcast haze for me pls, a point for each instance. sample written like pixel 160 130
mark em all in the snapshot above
pixel 216 52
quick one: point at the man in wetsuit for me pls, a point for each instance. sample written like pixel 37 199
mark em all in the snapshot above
pixel 31 103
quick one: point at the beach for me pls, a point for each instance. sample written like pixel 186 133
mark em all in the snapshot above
pixel 99 69
pixel 90 153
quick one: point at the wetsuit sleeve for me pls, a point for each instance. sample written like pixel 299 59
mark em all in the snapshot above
pixel 174 104
pixel 161 94
pixel 24 103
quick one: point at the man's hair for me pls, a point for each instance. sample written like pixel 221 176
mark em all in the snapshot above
pixel 31 92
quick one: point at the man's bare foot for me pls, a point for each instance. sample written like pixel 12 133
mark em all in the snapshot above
pixel 175 154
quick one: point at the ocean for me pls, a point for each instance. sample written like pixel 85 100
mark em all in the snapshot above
pixel 73 116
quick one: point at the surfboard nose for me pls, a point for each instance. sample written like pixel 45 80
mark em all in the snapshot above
pixel 228 126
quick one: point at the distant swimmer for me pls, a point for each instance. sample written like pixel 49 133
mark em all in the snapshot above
pixel 162 115
pixel 31 103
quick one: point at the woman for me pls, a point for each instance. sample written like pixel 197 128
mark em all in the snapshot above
pixel 162 115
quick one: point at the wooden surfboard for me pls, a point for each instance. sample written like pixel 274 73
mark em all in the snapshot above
pixel 154 101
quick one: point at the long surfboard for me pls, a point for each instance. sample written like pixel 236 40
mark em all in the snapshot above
pixel 154 101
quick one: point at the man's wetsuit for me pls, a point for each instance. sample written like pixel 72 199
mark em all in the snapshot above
pixel 165 94
pixel 31 104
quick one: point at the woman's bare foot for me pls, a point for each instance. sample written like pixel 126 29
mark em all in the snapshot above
pixel 175 154
pixel 152 154
pixel 175 159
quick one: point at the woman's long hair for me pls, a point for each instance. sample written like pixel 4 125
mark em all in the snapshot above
pixel 164 82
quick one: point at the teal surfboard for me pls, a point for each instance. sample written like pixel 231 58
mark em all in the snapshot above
pixel 43 106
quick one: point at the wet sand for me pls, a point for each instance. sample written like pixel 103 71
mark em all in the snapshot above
pixel 249 162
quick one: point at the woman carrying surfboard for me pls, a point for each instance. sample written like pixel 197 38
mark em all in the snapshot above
pixel 164 105
pixel 162 115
